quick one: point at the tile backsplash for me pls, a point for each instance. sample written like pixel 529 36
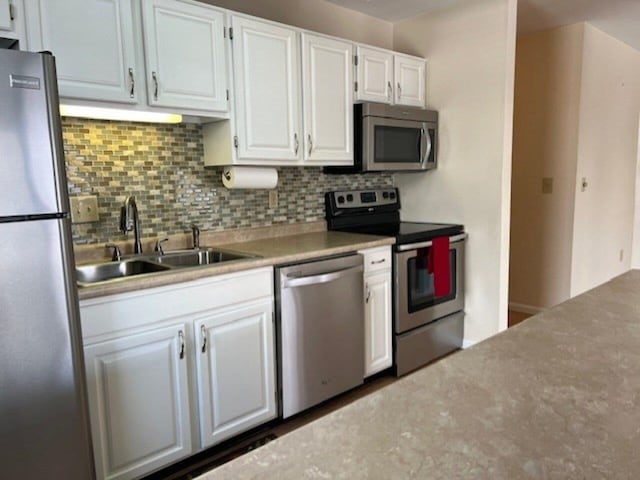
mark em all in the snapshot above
pixel 162 165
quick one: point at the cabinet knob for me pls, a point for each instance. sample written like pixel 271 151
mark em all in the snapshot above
pixel 181 339
pixel 132 83
pixel 203 333
pixel 310 144
pixel 366 300
pixel 389 90
pixel 296 143
pixel 154 76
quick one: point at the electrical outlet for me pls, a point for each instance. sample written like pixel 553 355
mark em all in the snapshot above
pixel 273 199
pixel 547 185
pixel 84 209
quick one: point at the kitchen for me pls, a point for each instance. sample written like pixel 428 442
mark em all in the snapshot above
pixel 194 191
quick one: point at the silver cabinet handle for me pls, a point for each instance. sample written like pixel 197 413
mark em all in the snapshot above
pixel 203 332
pixel 296 143
pixel 366 300
pixel 378 262
pixel 181 338
pixel 154 76
pixel 399 90
pixel 132 84
pixel 310 144
pixel 390 90
pixel 290 282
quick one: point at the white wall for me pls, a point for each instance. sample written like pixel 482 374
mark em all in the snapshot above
pixel 471 63
pixel 607 157
pixel 545 144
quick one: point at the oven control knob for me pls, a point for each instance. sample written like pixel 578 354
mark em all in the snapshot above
pixel 385 194
pixel 349 198
pixel 392 195
pixel 340 199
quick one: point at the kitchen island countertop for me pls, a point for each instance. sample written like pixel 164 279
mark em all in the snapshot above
pixel 558 396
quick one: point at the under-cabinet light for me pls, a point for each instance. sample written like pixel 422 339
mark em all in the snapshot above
pixel 115 114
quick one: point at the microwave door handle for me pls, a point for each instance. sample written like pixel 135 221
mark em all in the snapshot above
pixel 427 153
pixel 425 146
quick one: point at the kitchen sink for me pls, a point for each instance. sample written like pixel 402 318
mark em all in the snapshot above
pixel 154 263
pixel 195 258
pixel 101 272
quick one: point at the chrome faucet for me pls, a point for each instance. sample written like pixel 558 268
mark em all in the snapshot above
pixel 129 220
pixel 195 232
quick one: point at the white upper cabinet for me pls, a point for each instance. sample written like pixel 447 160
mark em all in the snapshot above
pixel 185 55
pixel 267 85
pixel 374 75
pixel 409 80
pixel 94 45
pixel 12 24
pixel 327 73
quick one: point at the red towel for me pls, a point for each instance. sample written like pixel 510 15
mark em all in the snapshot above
pixel 440 266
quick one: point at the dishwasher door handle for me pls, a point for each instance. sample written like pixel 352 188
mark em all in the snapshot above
pixel 291 282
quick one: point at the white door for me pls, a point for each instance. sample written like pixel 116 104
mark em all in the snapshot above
pixel 378 340
pixel 267 85
pixel 236 371
pixel 185 54
pixel 374 75
pixel 410 81
pixel 94 45
pixel 139 402
pixel 327 88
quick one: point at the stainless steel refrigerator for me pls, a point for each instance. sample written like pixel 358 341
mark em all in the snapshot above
pixel 44 428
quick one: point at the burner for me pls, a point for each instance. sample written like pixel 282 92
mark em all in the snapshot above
pixel 377 212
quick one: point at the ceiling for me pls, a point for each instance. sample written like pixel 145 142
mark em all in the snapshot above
pixel 619 18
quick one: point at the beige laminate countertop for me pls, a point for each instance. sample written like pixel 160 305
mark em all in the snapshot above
pixel 272 251
pixel 558 396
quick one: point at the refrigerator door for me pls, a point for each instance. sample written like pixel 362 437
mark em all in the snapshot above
pixel 44 430
pixel 32 178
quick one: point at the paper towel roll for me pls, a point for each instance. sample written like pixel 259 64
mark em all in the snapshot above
pixel 250 177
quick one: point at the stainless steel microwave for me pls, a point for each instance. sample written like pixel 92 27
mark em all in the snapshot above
pixel 393 138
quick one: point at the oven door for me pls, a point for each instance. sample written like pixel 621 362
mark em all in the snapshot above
pixel 416 304
pixel 398 145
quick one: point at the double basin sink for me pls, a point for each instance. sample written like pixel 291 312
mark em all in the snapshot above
pixel 154 263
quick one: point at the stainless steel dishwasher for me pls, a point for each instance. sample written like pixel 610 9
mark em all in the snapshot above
pixel 320 330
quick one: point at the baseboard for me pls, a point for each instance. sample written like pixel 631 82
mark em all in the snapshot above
pixel 522 308
pixel 468 343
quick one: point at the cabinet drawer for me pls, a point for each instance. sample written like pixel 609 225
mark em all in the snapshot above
pixel 376 259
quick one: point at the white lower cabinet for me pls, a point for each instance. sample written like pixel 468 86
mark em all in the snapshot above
pixel 165 362
pixel 139 402
pixel 378 348
pixel 235 365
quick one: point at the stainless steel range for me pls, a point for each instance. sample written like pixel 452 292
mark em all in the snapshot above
pixel 428 317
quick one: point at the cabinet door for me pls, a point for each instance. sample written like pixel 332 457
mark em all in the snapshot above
pixel 235 369
pixel 139 402
pixel 12 27
pixel 327 86
pixel 410 81
pixel 94 45
pixel 267 86
pixel 374 75
pixel 378 340
pixel 185 54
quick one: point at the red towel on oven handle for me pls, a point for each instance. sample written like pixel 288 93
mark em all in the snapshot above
pixel 440 266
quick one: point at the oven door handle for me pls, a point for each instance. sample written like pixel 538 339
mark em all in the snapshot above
pixel 414 246
pixel 291 282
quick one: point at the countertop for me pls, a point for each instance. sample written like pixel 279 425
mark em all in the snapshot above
pixel 558 396
pixel 272 251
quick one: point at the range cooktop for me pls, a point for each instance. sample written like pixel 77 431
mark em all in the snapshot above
pixel 377 212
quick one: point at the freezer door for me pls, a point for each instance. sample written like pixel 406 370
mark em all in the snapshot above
pixel 32 177
pixel 44 430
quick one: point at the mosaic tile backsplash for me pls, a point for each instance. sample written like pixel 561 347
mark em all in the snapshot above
pixel 162 165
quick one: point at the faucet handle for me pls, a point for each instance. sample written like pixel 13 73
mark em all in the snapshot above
pixel 195 232
pixel 117 253
pixel 159 245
